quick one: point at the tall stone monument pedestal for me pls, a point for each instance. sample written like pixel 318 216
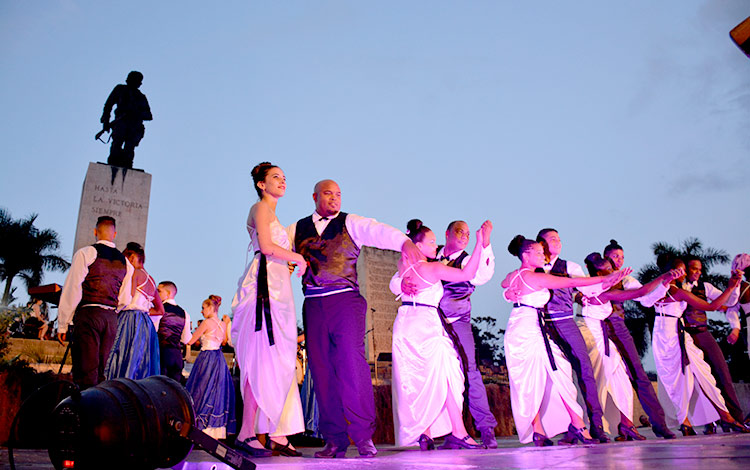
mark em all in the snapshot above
pixel 117 192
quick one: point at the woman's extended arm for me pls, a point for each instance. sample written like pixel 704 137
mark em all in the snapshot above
pixel 700 304
pixel 619 295
pixel 550 281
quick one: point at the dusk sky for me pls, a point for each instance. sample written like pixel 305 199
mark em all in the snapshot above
pixel 625 120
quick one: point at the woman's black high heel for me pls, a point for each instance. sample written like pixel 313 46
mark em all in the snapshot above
pixel 629 433
pixel 452 442
pixel 687 430
pixel 733 426
pixel 540 440
pixel 426 442
pixel 574 435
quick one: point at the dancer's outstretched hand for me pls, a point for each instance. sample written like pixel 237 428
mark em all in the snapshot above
pixel 615 277
pixel 671 275
pixel 480 237
pixel 487 229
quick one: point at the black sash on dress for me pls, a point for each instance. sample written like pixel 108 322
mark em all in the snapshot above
pixel 683 350
pixel 541 312
pixel 684 359
pixel 263 300
pixel 606 337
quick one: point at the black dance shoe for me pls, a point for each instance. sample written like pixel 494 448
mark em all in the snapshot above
pixel 575 435
pixel 366 449
pixel 245 447
pixel 452 442
pixel 426 442
pixel 597 432
pixel 488 438
pixel 735 426
pixel 663 432
pixel 283 449
pixel 629 433
pixel 687 430
pixel 540 440
pixel 331 451
pixel 710 429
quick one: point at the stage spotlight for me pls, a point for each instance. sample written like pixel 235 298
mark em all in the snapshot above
pixel 129 424
pixel 741 36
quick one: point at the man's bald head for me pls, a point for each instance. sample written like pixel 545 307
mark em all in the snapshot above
pixel 327 197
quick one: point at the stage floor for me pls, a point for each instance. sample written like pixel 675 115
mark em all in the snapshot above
pixel 718 452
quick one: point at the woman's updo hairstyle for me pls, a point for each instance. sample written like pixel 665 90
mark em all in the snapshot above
pixel 667 261
pixel 416 231
pixel 595 263
pixel 214 300
pixel 519 245
pixel 613 245
pixel 133 248
pixel 259 174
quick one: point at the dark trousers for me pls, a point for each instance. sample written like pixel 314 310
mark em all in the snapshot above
pixel 566 334
pixel 478 405
pixel 171 362
pixel 94 335
pixel 715 358
pixel 335 340
pixel 620 335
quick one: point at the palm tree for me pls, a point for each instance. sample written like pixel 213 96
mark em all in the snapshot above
pixel 26 252
pixel 640 320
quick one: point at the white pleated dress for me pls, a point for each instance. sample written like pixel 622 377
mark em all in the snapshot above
pixel 612 381
pixel 688 393
pixel 534 386
pixel 269 369
pixel 426 370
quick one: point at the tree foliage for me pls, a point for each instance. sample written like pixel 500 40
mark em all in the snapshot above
pixel 26 252
pixel 488 341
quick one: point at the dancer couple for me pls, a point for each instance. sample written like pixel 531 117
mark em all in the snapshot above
pixel 324 247
pixel 686 363
pixel 431 353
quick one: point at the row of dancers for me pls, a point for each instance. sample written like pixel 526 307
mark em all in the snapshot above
pixel 434 370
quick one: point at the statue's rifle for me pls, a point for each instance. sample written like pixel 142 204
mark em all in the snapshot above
pixel 108 128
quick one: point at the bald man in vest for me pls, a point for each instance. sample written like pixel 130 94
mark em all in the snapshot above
pixel 334 314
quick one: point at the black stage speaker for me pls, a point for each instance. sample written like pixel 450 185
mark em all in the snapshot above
pixel 129 424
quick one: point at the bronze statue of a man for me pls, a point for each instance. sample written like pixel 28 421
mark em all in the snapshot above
pixel 127 127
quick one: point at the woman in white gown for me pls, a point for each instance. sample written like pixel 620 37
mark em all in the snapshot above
pixel 684 375
pixel 428 381
pixel 266 343
pixel 612 380
pixel 542 393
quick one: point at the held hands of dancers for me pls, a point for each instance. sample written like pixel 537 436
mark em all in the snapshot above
pixel 735 279
pixel 301 264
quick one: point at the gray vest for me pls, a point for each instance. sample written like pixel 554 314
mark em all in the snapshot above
pixel 332 256
pixel 456 301
pixel 560 305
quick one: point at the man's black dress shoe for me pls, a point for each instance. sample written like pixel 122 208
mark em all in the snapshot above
pixel 366 449
pixel 331 451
